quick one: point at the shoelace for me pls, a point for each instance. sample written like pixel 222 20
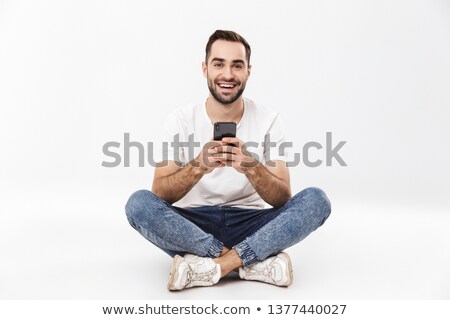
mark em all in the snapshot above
pixel 265 269
pixel 203 276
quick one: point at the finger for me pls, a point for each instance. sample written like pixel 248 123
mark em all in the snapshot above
pixel 225 149
pixel 236 141
pixel 225 156
pixel 212 151
pixel 212 161
pixel 217 159
pixel 213 144
pixel 218 155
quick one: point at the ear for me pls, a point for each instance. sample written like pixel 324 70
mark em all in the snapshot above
pixel 249 70
pixel 204 69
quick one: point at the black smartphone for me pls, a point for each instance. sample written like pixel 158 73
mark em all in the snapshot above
pixel 224 129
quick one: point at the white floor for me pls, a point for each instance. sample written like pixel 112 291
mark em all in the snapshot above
pixel 76 244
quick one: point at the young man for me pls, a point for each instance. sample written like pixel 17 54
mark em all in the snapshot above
pixel 207 208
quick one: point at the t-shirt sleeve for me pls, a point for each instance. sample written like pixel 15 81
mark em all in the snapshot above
pixel 275 144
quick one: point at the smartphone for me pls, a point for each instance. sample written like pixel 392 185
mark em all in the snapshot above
pixel 224 129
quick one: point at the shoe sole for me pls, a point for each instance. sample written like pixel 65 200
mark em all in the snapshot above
pixel 174 273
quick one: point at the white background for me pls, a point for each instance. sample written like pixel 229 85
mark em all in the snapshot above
pixel 77 74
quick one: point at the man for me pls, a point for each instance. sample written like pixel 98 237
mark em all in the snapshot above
pixel 207 210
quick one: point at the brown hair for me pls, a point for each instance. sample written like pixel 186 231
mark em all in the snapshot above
pixel 228 36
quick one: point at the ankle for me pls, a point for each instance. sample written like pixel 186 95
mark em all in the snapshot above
pixel 225 250
pixel 229 262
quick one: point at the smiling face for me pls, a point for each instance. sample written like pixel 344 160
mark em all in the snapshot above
pixel 226 71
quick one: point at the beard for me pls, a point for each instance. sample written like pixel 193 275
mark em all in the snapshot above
pixel 225 99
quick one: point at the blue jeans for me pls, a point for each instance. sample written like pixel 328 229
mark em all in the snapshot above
pixel 255 234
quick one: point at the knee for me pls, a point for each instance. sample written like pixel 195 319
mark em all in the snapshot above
pixel 137 202
pixel 317 198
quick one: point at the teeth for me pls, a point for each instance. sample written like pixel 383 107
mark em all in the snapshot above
pixel 226 85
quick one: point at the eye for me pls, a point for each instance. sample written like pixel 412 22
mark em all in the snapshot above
pixel 238 66
pixel 218 65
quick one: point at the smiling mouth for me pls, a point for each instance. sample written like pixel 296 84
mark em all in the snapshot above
pixel 227 85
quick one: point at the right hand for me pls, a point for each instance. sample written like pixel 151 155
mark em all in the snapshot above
pixel 206 160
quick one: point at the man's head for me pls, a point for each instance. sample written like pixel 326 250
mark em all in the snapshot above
pixel 227 65
pixel 227 36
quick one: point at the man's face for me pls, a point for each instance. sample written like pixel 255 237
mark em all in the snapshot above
pixel 226 71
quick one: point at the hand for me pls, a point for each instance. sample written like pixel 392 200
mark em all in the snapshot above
pixel 206 159
pixel 235 155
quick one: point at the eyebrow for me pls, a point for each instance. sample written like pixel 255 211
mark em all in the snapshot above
pixel 233 61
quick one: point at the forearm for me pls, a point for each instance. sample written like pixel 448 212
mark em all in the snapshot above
pixel 271 189
pixel 175 186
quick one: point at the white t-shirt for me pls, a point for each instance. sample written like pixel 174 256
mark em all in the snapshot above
pixel 223 186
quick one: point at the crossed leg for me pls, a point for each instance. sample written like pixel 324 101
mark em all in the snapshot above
pixel 159 222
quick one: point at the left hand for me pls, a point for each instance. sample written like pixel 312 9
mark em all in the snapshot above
pixel 236 156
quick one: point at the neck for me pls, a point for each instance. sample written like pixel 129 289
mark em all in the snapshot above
pixel 224 112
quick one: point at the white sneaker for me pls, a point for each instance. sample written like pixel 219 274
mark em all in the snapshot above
pixel 193 271
pixel 276 270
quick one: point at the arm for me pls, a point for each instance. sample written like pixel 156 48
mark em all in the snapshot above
pixel 271 182
pixel 172 182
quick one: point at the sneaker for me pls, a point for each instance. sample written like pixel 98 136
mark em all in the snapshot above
pixel 193 271
pixel 276 270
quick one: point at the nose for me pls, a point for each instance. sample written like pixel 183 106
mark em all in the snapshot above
pixel 228 73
